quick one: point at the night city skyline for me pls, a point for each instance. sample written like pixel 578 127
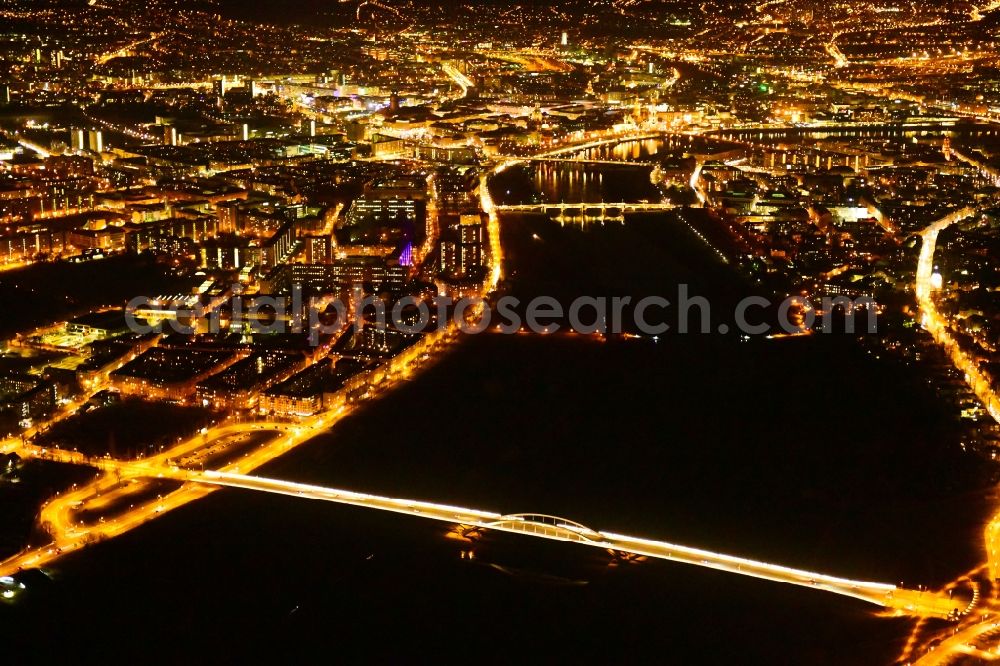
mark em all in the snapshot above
pixel 393 331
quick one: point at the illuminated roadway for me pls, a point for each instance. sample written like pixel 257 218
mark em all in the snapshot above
pixel 58 515
pixel 979 13
pixel 127 50
pixel 114 487
pixel 33 146
pixel 561 529
pixel 839 60
pixel 982 625
pixel 460 79
pixel 937 325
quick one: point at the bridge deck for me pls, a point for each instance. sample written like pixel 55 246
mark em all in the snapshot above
pixel 902 601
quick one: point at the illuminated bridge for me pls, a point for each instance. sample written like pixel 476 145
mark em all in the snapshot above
pixel 584 160
pixel 587 212
pixel 898 600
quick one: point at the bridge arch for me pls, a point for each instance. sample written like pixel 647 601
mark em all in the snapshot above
pixel 552 526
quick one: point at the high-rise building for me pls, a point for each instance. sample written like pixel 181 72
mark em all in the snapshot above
pixel 470 257
pixel 470 234
pixel 470 243
pixel 78 140
pixel 96 141
pixel 381 210
pixel 318 249
pixel 279 247
pixel 4 94
pixel 470 251
pixel 448 263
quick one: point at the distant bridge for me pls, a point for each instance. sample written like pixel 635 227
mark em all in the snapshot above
pixel 587 212
pixel 585 160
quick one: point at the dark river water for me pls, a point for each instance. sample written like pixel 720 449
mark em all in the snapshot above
pixel 805 452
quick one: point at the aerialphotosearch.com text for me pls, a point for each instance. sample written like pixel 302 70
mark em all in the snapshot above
pixel 606 315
